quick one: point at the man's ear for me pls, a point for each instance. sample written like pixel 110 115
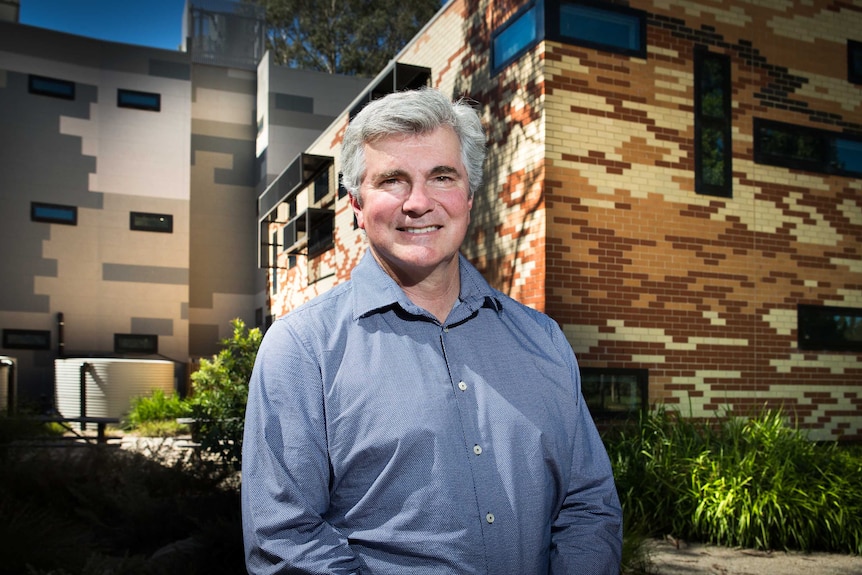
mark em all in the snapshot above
pixel 356 204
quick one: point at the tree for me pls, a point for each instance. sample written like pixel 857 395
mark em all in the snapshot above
pixel 352 37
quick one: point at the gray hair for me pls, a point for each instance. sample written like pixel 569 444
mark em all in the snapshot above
pixel 412 112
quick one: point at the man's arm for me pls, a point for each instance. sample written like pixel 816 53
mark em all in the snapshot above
pixel 586 536
pixel 285 468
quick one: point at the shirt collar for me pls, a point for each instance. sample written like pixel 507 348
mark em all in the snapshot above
pixel 374 290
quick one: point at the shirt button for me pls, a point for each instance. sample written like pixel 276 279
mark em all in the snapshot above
pixel 477 449
pixel 489 517
pixel 462 386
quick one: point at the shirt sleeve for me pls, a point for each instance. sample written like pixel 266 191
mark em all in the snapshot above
pixel 586 535
pixel 285 468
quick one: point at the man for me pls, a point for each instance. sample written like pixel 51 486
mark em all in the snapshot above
pixel 413 420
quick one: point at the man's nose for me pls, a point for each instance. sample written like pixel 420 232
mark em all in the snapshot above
pixel 418 199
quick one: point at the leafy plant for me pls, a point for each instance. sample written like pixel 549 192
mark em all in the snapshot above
pixel 742 481
pixel 156 407
pixel 220 389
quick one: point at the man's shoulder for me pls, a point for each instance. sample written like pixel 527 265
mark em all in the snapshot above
pixel 335 302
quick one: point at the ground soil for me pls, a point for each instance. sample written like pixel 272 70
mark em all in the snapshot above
pixel 671 557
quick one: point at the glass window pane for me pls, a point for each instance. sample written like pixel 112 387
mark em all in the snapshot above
pixel 145 222
pixel 849 154
pixel 712 156
pixel 138 100
pixel 52 87
pixel 54 213
pixel 603 27
pixel 516 38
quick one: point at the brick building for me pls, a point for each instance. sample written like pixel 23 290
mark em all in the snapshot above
pixel 677 183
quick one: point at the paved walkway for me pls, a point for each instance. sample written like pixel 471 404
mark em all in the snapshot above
pixel 697 559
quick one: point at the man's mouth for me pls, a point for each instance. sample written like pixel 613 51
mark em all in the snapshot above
pixel 424 230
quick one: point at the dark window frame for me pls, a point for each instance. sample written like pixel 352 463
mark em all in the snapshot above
pixel 810 337
pixel 134 99
pixel 824 142
pixel 37 215
pixel 136 343
pixel 138 222
pixel 706 124
pixel 45 86
pixel 41 336
pixel 854 61
pixel 549 26
pixel 501 32
pixel 554 21
pixel 601 411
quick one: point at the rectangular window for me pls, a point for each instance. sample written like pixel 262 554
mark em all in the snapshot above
pixel 829 328
pixel 144 222
pixel 54 213
pixel 600 25
pixel 799 147
pixel 52 87
pixel 854 61
pixel 139 100
pixel 616 393
pixel 26 339
pixel 520 33
pixel 136 343
pixel 712 124
pixel 321 186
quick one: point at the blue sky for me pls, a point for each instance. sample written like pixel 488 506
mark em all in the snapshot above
pixel 156 23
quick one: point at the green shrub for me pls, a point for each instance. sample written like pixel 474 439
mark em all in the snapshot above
pixel 156 407
pixel 220 393
pixel 752 482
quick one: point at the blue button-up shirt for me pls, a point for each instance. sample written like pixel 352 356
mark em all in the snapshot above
pixel 380 441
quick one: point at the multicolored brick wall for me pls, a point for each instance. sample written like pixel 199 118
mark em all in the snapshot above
pixel 590 211
pixel 700 290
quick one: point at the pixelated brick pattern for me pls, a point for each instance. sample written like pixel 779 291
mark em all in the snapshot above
pixel 589 211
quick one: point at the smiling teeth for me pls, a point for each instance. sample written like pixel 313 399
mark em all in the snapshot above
pixel 420 230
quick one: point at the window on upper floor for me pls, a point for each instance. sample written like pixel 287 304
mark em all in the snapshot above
pixel 589 23
pixel 598 25
pixel 136 343
pixel 146 222
pixel 854 61
pixel 53 87
pixel 712 124
pixel 810 149
pixel 829 328
pixel 54 213
pixel 517 35
pixel 139 100
pixel 615 393
pixel 26 339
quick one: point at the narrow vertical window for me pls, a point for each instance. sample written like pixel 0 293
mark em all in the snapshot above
pixel 854 61
pixel 712 122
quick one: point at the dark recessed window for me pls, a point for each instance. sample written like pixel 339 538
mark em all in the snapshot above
pixel 52 87
pixel 54 213
pixel 136 343
pixel 615 392
pixel 139 100
pixel 829 328
pixel 810 149
pixel 26 339
pixel 520 33
pixel 712 124
pixel 598 25
pixel 145 222
pixel 854 61
pixel 321 186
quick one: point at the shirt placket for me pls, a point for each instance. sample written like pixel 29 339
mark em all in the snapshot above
pixel 477 451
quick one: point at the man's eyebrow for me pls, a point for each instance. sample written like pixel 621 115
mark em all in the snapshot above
pixel 388 174
pixel 442 171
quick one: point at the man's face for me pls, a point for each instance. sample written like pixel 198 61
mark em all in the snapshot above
pixel 415 204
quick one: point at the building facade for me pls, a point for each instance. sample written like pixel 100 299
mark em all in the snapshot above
pixel 678 183
pixel 128 185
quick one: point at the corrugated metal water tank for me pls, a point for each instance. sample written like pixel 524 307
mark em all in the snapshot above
pixel 110 384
